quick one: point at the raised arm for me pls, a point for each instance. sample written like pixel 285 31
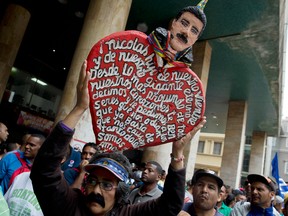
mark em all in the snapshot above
pixel 177 157
pixel 52 191
pixel 82 99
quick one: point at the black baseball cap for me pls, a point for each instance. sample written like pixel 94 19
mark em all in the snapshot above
pixel 265 180
pixel 204 172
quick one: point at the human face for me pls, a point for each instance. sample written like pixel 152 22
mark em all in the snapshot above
pixel 185 31
pixel 32 147
pixel 87 153
pixel 3 132
pixel 104 196
pixel 261 195
pixel 248 189
pixel 150 174
pixel 240 197
pixel 222 194
pixel 205 194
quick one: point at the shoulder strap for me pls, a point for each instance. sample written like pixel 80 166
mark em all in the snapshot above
pixel 25 167
pixel 22 161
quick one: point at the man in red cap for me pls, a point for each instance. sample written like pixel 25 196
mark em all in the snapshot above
pixel 262 194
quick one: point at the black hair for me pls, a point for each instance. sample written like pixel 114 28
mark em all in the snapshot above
pixel 3 147
pixel 163 173
pixel 197 13
pixel 40 136
pixel 158 166
pixel 230 198
pixel 237 192
pixel 90 144
pixel 11 147
pixel 189 183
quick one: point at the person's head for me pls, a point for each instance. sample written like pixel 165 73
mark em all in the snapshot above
pixel 3 132
pixel 206 190
pixel 3 149
pixel 163 175
pixel 89 149
pixel 24 140
pixel 262 190
pixel 278 202
pixel 32 146
pixel 230 200
pixel 285 209
pixel 239 195
pixel 222 194
pixel 12 147
pixel 189 186
pixel 151 173
pixel 228 189
pixel 187 27
pixel 247 187
pixel 106 186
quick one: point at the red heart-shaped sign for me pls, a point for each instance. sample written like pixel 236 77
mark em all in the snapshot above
pixel 133 103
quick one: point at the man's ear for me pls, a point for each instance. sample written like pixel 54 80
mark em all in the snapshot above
pixel 272 195
pixel 159 177
pixel 219 196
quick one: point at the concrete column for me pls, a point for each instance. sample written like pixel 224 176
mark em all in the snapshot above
pixel 160 153
pixel 103 18
pixel 271 141
pixel 202 56
pixel 232 158
pixel 202 52
pixel 257 156
pixel 12 29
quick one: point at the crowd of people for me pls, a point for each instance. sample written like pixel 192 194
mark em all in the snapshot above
pixel 107 183
pixel 46 176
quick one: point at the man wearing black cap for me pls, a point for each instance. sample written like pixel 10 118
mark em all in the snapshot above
pixel 262 194
pixel 206 193
pixel 106 188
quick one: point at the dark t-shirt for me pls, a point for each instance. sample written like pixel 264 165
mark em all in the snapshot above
pixel 189 207
pixel 73 161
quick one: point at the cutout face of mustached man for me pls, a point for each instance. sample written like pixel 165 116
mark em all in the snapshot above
pixel 184 32
pixel 99 200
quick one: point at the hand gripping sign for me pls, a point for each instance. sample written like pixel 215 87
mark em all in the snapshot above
pixel 135 104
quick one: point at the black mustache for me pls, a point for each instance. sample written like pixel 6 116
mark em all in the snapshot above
pixel 92 197
pixel 182 37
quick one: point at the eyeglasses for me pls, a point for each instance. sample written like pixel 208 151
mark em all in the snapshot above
pixel 92 182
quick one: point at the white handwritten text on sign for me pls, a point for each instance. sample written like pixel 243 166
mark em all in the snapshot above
pixel 135 104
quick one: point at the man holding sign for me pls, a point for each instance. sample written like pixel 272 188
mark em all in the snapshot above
pixel 106 187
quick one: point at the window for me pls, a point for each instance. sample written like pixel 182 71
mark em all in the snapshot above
pixel 217 148
pixel 248 140
pixel 286 141
pixel 201 146
pixel 286 167
pixel 246 158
